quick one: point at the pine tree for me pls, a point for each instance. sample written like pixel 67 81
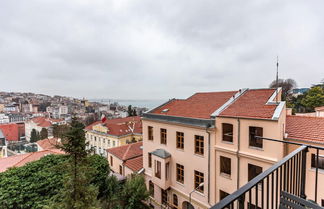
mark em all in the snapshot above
pixel 34 137
pixel 78 193
pixel 43 133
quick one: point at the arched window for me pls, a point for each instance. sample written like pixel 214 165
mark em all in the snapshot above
pixel 175 200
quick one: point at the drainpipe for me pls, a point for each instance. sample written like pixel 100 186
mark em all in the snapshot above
pixel 208 195
pixel 238 152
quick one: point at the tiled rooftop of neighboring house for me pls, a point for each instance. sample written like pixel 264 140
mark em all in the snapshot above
pixel 121 126
pixel 252 104
pixel 45 122
pixel 199 105
pixel 135 164
pixel 10 131
pixel 248 104
pixel 49 143
pixel 127 151
pixel 21 160
pixel 305 128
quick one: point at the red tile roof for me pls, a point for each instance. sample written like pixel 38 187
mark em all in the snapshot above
pixel 49 143
pixel 199 105
pixel 10 131
pixel 252 104
pixel 127 151
pixel 135 164
pixel 45 122
pixel 121 126
pixel 305 128
pixel 319 108
pixel 21 160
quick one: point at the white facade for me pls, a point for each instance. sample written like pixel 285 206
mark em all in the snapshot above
pixel 4 118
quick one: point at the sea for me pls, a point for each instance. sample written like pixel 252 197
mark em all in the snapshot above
pixel 135 103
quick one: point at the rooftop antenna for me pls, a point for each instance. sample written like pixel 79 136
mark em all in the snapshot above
pixel 277 84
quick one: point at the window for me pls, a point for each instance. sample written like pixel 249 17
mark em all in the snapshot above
pixel 222 194
pixel 150 133
pixel 199 145
pixel 167 167
pixel 151 188
pixel 227 132
pixel 111 161
pixel 120 170
pixel 150 160
pixel 253 171
pixel 255 131
pixel 108 142
pixel 164 197
pixel 322 202
pixel 225 165
pixel 180 140
pixel 158 169
pixel 199 179
pixel 114 144
pixel 163 136
pixel 180 173
pixel 95 138
pixel 320 161
pixel 175 200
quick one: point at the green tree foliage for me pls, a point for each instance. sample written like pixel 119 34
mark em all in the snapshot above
pixel 60 130
pixel 134 193
pixel 34 135
pixel 110 198
pixel 38 183
pixel 314 98
pixel 286 84
pixel 78 192
pixel 43 133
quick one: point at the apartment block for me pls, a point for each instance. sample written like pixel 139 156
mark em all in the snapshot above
pixel 113 133
pixel 198 150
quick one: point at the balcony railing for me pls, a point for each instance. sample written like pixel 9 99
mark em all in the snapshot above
pixel 263 191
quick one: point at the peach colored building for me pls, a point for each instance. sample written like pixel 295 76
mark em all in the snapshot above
pixel 198 150
pixel 127 159
pixel 113 133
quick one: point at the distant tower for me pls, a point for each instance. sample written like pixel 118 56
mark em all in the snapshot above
pixel 277 80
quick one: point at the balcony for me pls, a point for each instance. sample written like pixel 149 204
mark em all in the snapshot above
pixel 281 186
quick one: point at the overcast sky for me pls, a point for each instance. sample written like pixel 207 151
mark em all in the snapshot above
pixel 152 49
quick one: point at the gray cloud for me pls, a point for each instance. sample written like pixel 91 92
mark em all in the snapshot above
pixel 157 49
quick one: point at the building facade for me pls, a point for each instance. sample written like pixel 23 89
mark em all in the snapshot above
pixel 197 151
pixel 113 133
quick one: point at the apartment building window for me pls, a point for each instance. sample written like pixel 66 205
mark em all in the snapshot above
pixel 150 133
pixel 180 173
pixel 199 145
pixel 157 169
pixel 320 161
pixel 253 171
pixel 163 136
pixel 254 132
pixel 199 179
pixel 175 200
pixel 167 170
pixel 222 194
pixel 150 160
pixel 180 140
pixel 227 132
pixel 164 197
pixel 120 170
pixel 151 188
pixel 225 165
pixel 111 161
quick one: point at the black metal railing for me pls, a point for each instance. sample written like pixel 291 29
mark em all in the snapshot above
pixel 288 175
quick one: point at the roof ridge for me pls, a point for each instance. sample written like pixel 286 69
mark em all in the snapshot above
pixel 29 154
pixel 126 152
